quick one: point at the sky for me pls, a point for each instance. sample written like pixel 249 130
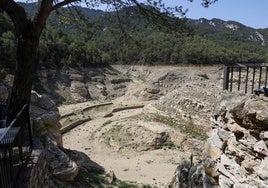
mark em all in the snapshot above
pixel 248 12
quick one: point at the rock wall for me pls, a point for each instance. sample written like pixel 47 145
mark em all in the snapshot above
pixel 79 85
pixel 236 153
pixel 36 173
pixel 48 159
pixel 45 116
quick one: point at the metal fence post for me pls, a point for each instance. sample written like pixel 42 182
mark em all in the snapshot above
pixel 226 78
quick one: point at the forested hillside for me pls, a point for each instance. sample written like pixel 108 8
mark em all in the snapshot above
pixel 100 39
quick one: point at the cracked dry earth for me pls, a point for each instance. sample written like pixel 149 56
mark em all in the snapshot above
pixel 145 145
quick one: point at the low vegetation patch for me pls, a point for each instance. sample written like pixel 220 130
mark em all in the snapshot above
pixel 185 127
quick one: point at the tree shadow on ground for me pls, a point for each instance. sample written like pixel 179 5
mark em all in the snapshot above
pixel 90 173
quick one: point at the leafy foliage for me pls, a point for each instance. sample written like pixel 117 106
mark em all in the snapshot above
pixel 133 41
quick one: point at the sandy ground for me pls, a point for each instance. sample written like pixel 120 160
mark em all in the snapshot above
pixel 154 167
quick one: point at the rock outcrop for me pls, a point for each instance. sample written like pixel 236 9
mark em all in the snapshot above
pixel 236 153
pixel 45 117
pixel 190 102
pixel 79 91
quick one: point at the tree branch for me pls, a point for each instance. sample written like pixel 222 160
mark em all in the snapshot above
pixel 16 13
pixel 206 3
pixel 63 3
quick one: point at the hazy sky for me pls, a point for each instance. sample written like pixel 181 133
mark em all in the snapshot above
pixel 248 12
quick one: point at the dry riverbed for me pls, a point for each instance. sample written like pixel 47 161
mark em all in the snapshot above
pixel 145 144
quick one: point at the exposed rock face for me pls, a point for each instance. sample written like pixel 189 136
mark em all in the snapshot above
pixel 79 91
pixel 45 116
pixel 241 127
pixel 237 145
pixel 61 165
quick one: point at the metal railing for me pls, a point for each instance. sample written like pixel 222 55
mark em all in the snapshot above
pixel 15 147
pixel 245 78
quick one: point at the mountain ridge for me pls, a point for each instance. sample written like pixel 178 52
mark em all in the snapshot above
pixel 99 38
pixel 203 27
pixel 233 27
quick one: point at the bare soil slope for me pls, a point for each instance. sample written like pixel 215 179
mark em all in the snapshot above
pixel 145 144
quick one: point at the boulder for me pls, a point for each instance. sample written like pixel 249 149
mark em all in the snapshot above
pixel 120 80
pixel 61 165
pixel 251 112
pixel 152 90
pixel 262 170
pixel 98 79
pixel 159 140
pixel 79 88
pixel 260 147
pixel 76 77
pixel 264 135
pixel 79 91
pixel 42 101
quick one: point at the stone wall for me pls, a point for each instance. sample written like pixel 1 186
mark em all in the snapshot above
pixel 48 161
pixel 35 174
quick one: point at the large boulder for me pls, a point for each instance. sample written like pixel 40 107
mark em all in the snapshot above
pixel 61 165
pixel 45 116
pixel 42 101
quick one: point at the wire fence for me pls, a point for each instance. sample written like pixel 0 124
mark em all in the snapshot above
pixel 15 147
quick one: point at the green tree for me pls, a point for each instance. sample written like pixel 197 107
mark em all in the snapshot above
pixel 266 57
pixel 8 48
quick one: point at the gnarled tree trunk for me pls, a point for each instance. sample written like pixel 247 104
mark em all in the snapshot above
pixel 26 53
pixel 28 33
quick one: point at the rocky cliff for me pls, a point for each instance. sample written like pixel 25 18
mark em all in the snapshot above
pixel 236 153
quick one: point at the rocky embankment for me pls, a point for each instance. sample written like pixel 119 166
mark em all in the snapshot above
pixel 80 85
pixel 236 153
pixel 46 126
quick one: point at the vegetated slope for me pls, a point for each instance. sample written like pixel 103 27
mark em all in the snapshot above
pixel 98 38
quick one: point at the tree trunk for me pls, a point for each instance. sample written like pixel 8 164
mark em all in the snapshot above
pixel 26 53
pixel 28 32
